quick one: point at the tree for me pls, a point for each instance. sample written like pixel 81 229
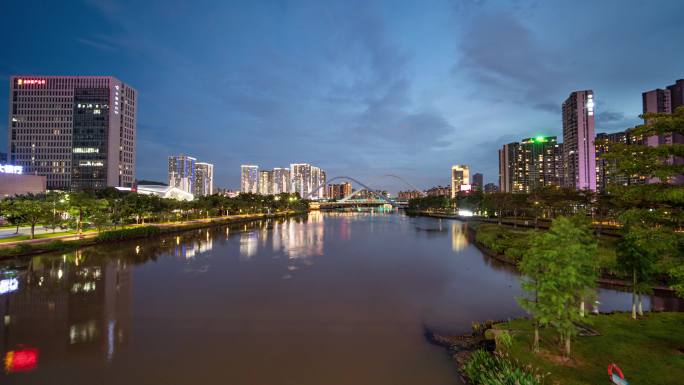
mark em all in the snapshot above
pixel 651 212
pixel 559 270
pixel 638 252
pixel 82 205
pixel 58 202
pixel 33 209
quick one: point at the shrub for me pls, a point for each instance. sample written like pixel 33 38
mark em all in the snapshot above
pixel 137 232
pixel 484 368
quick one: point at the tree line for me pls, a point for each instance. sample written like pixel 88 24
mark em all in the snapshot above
pixel 111 208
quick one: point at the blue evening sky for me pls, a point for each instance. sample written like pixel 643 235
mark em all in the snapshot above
pixel 360 88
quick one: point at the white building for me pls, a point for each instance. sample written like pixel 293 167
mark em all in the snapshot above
pixel 249 178
pixel 204 179
pixel 182 172
pixel 281 180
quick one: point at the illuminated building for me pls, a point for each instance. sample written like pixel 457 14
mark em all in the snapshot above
pixel 305 179
pixel 249 178
pixel 666 101
pixel 182 172
pixel 77 131
pixel 579 154
pixel 606 169
pixel 439 191
pixel 265 182
pixel 406 195
pixel 460 179
pixel 281 180
pixel 530 164
pixel 204 179
pixel 478 181
pixel 339 190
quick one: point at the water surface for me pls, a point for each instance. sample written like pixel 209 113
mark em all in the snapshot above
pixel 336 298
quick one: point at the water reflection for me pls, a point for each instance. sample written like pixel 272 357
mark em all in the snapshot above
pixel 459 238
pixel 336 287
pixel 79 303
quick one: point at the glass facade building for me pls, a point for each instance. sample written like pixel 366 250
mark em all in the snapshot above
pixel 77 131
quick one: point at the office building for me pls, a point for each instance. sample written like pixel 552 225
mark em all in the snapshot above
pixel 204 179
pixel 249 179
pixel 182 172
pixel 281 180
pixel 606 169
pixel 339 190
pixel 579 154
pixel 265 182
pixel 460 179
pixel 478 181
pixel 77 131
pixel 3 157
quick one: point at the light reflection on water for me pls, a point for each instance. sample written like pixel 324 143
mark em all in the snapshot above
pixel 335 298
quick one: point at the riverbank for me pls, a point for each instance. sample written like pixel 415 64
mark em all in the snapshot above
pixel 657 337
pixel 506 243
pixel 614 338
pixel 74 241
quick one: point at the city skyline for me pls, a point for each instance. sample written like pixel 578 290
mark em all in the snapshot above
pixel 416 109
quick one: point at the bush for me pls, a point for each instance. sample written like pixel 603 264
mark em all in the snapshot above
pixel 484 368
pixel 137 232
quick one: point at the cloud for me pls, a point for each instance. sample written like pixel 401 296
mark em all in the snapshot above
pixel 503 55
pixel 610 116
pixel 101 45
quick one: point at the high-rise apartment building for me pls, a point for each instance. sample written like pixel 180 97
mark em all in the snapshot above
pixel 508 158
pixel 530 164
pixel 305 179
pixel 181 173
pixel 478 181
pixel 606 169
pixel 281 180
pixel 490 188
pixel 204 179
pixel 77 131
pixel 460 179
pixel 666 101
pixel 249 179
pixel 339 190
pixel 265 182
pixel 579 155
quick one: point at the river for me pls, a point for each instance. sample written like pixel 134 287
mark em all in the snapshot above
pixel 329 298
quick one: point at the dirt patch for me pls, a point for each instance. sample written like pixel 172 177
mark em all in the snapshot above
pixel 559 359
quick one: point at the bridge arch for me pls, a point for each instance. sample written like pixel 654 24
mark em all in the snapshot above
pixel 370 189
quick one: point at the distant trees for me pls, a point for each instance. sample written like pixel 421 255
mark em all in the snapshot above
pixel 111 208
pixel 560 272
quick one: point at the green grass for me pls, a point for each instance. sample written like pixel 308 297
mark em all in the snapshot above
pixel 513 242
pixel 647 350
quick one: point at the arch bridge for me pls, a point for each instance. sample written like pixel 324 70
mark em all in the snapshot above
pixel 365 187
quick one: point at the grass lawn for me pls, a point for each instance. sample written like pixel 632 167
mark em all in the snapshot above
pixel 647 350
pixel 514 242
